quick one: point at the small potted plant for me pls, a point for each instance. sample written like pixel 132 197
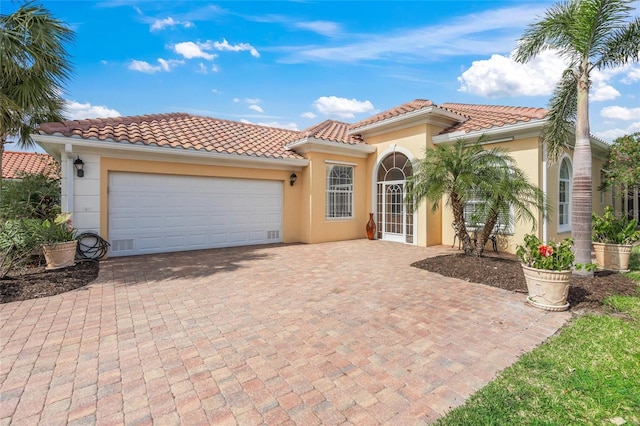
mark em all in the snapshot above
pixel 58 242
pixel 613 239
pixel 547 271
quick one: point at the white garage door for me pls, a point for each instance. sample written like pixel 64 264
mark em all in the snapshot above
pixel 154 213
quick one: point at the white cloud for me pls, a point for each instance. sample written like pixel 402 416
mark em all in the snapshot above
pixel 191 50
pixel 225 46
pixel 600 88
pixel 146 67
pixel 308 114
pixel 166 65
pixel 276 124
pixel 236 100
pixel 611 134
pixel 252 100
pixel 502 76
pixel 341 107
pixel 621 113
pixel 632 75
pixel 202 68
pixel 143 66
pixel 160 24
pixel 484 33
pixel 603 93
pixel 216 91
pixel 256 108
pixel 77 111
pixel 326 28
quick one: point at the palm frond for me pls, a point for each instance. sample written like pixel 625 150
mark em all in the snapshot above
pixel 622 47
pixel 35 66
pixel 551 32
pixel 561 118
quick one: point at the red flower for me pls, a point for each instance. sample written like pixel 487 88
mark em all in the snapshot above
pixel 545 250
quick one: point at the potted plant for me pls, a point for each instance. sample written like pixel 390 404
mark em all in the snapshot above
pixel 547 271
pixel 613 238
pixel 58 243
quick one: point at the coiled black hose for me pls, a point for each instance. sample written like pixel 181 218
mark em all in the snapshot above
pixel 91 246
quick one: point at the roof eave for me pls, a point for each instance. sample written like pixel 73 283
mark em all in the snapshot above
pixel 48 141
pixel 303 146
pixel 502 134
pixel 532 126
pixel 429 115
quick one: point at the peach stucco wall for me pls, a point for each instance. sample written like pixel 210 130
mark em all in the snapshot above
pixel 292 218
pixel 315 226
pixel 411 141
pixel 304 203
pixel 526 154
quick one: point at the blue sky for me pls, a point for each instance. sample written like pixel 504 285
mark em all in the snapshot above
pixel 295 64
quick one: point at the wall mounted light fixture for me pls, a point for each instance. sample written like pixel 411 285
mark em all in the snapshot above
pixel 292 179
pixel 79 166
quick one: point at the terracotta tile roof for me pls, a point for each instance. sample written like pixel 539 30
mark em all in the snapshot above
pixel 180 130
pixel 15 163
pixel 483 117
pixel 405 108
pixel 332 131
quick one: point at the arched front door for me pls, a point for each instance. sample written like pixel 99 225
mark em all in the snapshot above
pixel 395 218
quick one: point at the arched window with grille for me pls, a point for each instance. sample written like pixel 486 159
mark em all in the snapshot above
pixel 564 195
pixel 395 217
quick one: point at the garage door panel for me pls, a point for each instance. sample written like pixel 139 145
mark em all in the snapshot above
pixel 150 213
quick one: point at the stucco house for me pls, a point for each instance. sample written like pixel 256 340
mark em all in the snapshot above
pixel 171 182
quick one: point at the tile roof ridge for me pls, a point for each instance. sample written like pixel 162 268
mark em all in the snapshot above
pixel 322 124
pixel 67 125
pixel 398 110
pixel 241 123
pixel 534 111
pixel 23 152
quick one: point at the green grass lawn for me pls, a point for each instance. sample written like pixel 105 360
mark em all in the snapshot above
pixel 587 374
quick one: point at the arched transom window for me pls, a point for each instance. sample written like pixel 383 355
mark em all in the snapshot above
pixel 395 166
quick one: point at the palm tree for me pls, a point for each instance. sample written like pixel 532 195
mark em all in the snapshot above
pixel 34 65
pixel 588 34
pixel 462 172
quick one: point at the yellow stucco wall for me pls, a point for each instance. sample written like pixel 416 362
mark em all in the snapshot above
pixel 527 155
pixel 553 187
pixel 304 204
pixel 411 141
pixel 292 220
pixel 315 226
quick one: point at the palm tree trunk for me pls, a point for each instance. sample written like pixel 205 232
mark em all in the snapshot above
pixel 581 193
pixel 458 216
pixel 3 140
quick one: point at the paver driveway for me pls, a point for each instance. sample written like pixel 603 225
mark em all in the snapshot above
pixel 309 334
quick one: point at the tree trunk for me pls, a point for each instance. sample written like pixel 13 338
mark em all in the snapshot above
pixel 581 192
pixel 483 236
pixel 3 140
pixel 458 216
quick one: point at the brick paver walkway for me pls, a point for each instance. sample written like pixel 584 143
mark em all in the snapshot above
pixel 305 334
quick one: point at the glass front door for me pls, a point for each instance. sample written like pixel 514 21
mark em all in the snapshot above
pixel 395 217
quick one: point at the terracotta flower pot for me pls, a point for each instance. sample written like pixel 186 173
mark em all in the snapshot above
pixel 613 257
pixel 548 290
pixel 60 255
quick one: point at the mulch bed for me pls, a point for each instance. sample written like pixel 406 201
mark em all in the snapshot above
pixel 35 281
pixel 584 293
